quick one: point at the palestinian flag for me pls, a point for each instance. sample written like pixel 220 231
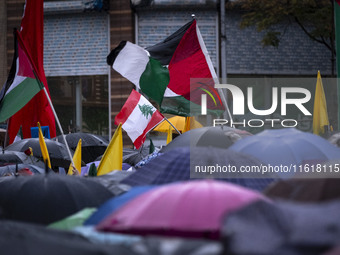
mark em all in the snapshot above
pixel 138 116
pixel 174 73
pixel 21 85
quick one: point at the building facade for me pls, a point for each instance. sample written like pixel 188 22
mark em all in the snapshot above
pixel 78 35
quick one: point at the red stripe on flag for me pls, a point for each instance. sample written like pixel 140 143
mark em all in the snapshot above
pixel 187 62
pixel 156 118
pixel 128 107
pixel 25 67
pixel 338 2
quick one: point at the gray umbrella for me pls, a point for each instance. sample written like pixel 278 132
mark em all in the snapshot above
pixel 12 168
pixel 203 137
pixel 10 157
pixel 111 181
pixel 282 228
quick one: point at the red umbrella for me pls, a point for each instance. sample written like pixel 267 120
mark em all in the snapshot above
pixel 189 209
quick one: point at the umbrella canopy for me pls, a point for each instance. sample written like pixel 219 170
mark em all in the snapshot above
pixel 92 145
pixel 115 203
pixel 7 157
pixel 178 122
pixel 47 198
pixel 11 169
pixel 335 139
pixel 189 209
pixel 305 190
pixel 24 238
pixel 74 220
pixel 57 151
pixel 235 134
pixel 206 137
pixel 180 246
pixel 288 147
pixel 282 228
pixel 111 181
pixel 175 166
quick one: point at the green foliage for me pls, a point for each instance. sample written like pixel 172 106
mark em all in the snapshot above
pixel 314 17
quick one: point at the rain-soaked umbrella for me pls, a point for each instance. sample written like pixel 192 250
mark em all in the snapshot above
pixel 112 180
pixel 180 165
pixel 282 228
pixel 206 137
pixel 57 151
pixel 178 246
pixel 305 190
pixel 24 238
pixel 234 133
pixel 13 168
pixel 187 209
pixel 8 157
pixel 287 149
pixel 47 198
pixel 115 203
pixel 335 139
pixel 92 145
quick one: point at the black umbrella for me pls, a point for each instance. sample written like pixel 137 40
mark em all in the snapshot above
pixel 206 137
pixel 57 151
pixel 92 145
pixel 8 157
pixel 24 238
pixel 180 164
pixel 48 198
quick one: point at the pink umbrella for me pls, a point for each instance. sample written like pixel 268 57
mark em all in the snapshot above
pixel 187 209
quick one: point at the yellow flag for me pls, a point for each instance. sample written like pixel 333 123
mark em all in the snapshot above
pixel 76 159
pixel 113 156
pixel 43 148
pixel 169 136
pixel 188 121
pixel 320 116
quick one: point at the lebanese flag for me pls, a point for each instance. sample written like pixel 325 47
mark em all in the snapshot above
pixel 21 85
pixel 174 73
pixel 138 116
pixel 38 108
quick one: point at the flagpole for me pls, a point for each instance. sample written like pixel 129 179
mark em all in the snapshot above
pixel 172 125
pixel 60 128
pixel 47 95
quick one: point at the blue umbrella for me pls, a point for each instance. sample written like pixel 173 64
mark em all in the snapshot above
pixel 115 203
pixel 288 147
pixel 175 165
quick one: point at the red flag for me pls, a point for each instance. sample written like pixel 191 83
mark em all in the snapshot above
pixel 38 109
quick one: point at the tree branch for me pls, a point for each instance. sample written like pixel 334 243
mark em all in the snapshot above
pixel 311 36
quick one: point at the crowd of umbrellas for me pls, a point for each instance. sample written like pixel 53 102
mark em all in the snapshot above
pixel 155 206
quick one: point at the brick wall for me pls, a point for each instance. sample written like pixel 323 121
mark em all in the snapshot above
pixel 121 28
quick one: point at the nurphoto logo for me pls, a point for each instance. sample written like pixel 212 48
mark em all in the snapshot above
pixel 295 96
